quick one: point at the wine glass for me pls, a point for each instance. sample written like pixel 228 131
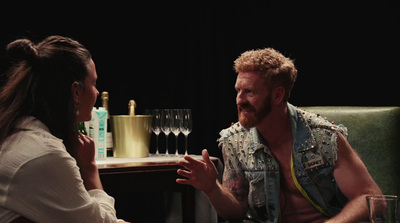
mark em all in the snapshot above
pixel 176 123
pixel 187 125
pixel 156 125
pixel 166 126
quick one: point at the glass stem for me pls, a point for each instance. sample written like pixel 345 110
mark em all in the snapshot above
pixel 186 146
pixel 157 145
pixel 166 145
pixel 176 145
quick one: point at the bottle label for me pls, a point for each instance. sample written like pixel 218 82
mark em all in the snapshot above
pixel 97 131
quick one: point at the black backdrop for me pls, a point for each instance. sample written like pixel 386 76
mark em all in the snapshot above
pixel 170 55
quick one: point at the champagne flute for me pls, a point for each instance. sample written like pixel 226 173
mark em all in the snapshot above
pixel 187 126
pixel 166 126
pixel 176 124
pixel 156 126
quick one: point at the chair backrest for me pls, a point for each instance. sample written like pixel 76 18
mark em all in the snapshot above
pixel 374 132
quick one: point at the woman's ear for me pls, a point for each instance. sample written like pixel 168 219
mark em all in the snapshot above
pixel 76 91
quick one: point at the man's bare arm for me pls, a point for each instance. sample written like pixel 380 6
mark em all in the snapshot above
pixel 230 202
pixel 354 181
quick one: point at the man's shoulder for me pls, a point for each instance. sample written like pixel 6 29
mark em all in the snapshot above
pixel 317 121
pixel 234 129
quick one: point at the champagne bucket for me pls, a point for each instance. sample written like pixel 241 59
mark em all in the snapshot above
pixel 131 135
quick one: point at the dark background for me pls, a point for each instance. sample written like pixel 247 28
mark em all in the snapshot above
pixel 180 55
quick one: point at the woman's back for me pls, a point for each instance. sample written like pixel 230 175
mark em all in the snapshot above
pixel 39 180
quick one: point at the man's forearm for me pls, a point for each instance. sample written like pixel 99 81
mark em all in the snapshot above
pixel 226 205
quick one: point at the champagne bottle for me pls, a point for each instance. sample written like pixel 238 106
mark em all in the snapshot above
pixel 132 106
pixel 109 140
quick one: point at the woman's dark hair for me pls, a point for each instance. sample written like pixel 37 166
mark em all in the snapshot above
pixel 39 84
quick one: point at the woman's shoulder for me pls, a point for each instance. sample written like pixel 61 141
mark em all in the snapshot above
pixel 35 137
pixel 33 142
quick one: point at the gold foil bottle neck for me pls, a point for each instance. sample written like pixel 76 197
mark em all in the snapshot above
pixel 104 98
pixel 132 106
pixel 104 94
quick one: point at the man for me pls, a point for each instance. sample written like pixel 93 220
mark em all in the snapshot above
pixel 281 164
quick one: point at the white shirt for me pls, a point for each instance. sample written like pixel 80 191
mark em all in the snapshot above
pixel 41 181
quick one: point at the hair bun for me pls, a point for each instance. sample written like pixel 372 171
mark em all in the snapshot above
pixel 22 49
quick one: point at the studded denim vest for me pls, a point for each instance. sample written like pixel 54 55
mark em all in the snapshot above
pixel 313 159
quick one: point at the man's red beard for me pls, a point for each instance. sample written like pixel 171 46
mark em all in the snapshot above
pixel 252 121
pixel 246 121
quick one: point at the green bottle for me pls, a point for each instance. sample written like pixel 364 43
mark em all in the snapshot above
pixel 81 128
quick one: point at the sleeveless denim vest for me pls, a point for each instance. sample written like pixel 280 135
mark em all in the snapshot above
pixel 313 158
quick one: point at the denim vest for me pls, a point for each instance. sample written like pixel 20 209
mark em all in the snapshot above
pixel 313 159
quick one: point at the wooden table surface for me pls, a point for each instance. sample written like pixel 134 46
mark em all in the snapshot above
pixel 153 173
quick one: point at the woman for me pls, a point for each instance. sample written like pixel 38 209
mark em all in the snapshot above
pixel 47 168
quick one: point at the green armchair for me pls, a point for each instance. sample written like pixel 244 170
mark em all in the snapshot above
pixel 374 132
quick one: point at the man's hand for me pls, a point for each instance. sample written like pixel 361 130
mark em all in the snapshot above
pixel 200 174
